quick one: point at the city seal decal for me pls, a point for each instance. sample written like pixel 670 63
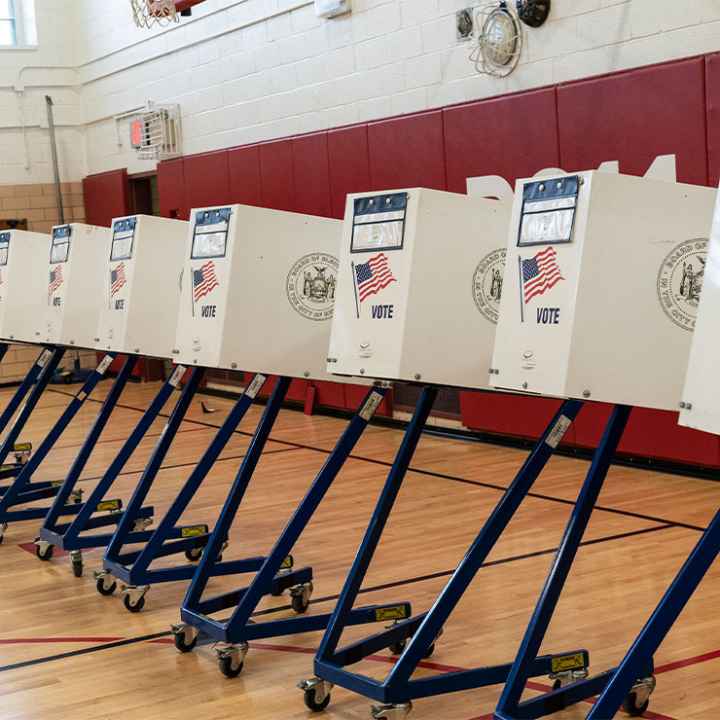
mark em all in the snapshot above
pixel 680 282
pixel 487 284
pixel 311 286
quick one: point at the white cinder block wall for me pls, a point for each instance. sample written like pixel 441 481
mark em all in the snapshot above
pixel 26 76
pixel 250 70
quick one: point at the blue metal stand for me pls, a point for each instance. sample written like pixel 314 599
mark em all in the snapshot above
pixel 414 638
pixel 115 561
pixel 624 688
pixel 51 528
pixel 275 573
pixel 133 568
pixel 510 706
pixel 73 537
pixel 23 403
pixel 23 491
pixel 22 450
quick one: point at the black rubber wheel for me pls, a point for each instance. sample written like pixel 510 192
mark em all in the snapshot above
pixel 77 499
pixel 135 607
pixel 557 684
pixel 299 604
pixel 107 591
pixel 182 645
pixel 631 707
pixel 226 667
pixel 311 704
pixel 398 647
pixel 77 568
pixel 46 554
pixel 193 554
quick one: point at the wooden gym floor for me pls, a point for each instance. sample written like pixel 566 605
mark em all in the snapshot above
pixel 66 652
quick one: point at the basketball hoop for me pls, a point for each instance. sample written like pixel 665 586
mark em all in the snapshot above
pixel 154 13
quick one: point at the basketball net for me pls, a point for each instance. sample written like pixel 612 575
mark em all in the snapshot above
pixel 151 13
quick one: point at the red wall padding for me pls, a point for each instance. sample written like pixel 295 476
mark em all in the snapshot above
pixel 207 180
pixel 512 136
pixel 244 166
pixel 349 165
pixel 171 189
pixel 633 116
pixel 311 175
pixel 277 186
pixel 106 197
pixel 712 99
pixel 407 152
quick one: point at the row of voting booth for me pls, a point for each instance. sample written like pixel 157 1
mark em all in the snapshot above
pixel 586 287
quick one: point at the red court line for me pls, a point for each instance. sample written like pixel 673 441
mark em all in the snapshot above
pixel 679 664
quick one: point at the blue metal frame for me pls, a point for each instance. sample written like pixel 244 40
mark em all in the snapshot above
pixel 23 491
pixel 52 531
pixel 114 561
pixel 273 574
pixel 640 655
pixel 33 378
pixel 510 706
pixel 422 631
pixel 70 537
pixel 133 568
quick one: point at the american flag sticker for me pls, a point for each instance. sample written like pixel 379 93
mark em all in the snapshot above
pixel 371 277
pixel 117 279
pixel 539 274
pixel 204 280
pixel 56 279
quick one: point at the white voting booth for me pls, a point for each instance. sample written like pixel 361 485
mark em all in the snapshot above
pixel 141 285
pixel 419 287
pixel 75 291
pixel 258 290
pixel 23 283
pixel 701 396
pixel 601 288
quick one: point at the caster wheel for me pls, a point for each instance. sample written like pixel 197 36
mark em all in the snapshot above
pixel 134 607
pixel 77 568
pixel 398 647
pixel 299 604
pixel 46 553
pixel 312 704
pixel 225 663
pixel 193 554
pixel 182 645
pixel 107 591
pixel 631 707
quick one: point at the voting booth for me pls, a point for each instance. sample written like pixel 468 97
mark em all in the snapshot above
pixel 23 283
pixel 700 406
pixel 601 288
pixel 75 291
pixel 258 289
pixel 420 282
pixel 142 285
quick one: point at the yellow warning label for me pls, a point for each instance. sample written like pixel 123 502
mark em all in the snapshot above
pixel 394 612
pixel 287 563
pixel 194 531
pixel 22 447
pixel 109 505
pixel 565 663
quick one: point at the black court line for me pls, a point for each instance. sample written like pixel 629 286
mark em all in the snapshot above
pixel 179 465
pixel 328 598
pixel 452 478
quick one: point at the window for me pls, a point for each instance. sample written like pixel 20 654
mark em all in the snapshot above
pixel 17 23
